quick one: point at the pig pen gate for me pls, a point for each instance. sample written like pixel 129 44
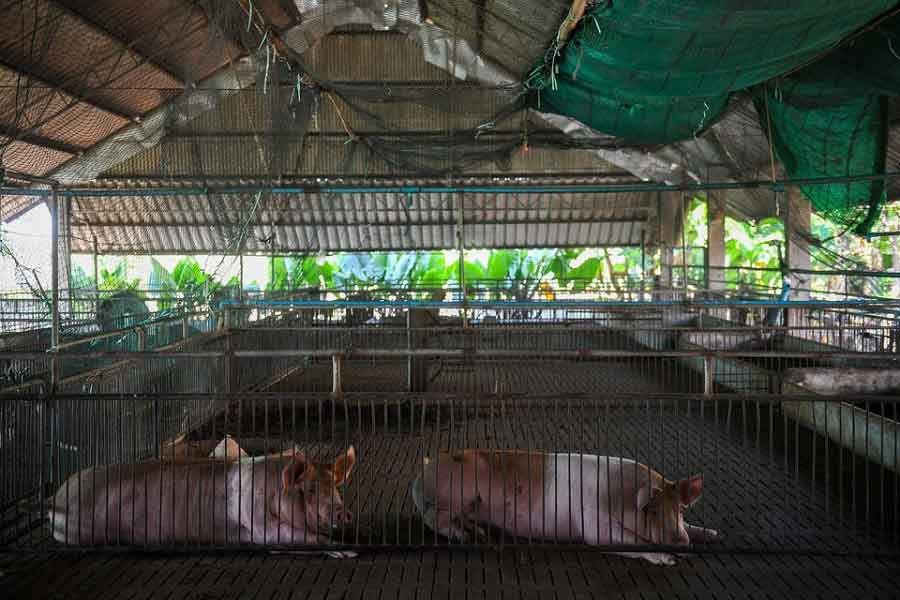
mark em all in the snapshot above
pixel 684 386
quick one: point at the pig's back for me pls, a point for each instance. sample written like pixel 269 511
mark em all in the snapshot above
pixel 147 503
pixel 589 497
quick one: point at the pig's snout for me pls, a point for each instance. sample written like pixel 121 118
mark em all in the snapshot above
pixel 342 516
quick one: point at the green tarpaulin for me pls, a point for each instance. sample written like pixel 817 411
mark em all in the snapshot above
pixel 658 72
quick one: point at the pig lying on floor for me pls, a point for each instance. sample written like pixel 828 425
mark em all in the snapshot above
pixel 282 499
pixel 578 498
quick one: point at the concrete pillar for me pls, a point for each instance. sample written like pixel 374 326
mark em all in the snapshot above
pixel 669 220
pixel 797 216
pixel 417 319
pixel 895 264
pixel 715 246
pixel 54 298
pixel 337 386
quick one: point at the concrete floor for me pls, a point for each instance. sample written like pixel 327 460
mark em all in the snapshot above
pixel 442 574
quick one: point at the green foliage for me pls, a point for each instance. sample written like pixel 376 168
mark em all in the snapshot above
pixel 278 275
pixel 190 277
pixel 116 279
pixel 751 247
pixel 696 228
pixel 187 282
pixel 390 270
pixel 753 261
pixel 81 281
pixel 432 272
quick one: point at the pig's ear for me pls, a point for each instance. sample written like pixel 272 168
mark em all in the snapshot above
pixel 344 465
pixel 295 473
pixel 647 496
pixel 690 489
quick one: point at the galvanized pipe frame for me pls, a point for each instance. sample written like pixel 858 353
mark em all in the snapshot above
pixel 776 185
pixel 474 401
pixel 574 355
pixel 177 319
pixel 725 420
pixel 120 360
pixel 347 402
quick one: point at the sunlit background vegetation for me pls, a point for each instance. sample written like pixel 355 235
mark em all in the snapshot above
pixel 752 265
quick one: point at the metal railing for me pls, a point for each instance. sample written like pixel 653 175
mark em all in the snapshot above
pixel 455 471
pixel 678 387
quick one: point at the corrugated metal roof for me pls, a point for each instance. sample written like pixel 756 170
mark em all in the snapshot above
pixel 102 62
pixel 74 73
pixel 355 221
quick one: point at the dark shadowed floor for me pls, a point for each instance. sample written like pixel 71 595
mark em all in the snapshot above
pixel 443 574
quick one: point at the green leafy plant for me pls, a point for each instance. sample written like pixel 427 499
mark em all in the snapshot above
pixel 116 279
pixel 753 250
pixel 188 284
pixel 81 283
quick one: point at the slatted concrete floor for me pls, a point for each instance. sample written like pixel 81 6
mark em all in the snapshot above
pixel 755 492
pixel 465 575
pixel 759 489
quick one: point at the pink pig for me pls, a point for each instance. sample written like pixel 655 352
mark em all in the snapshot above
pixel 580 498
pixel 280 499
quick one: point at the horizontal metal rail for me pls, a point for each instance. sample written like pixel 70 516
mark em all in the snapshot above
pixel 560 304
pixel 482 400
pixel 775 185
pixel 461 353
pixel 173 320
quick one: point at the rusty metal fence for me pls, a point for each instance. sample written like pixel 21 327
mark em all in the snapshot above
pixel 665 389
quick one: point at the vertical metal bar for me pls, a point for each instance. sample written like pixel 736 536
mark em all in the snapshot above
pixel 882 472
pixel 461 243
pixel 266 460
pixel 707 276
pixel 896 477
pixel 840 470
pixel 866 471
pixel 410 361
pixel 241 277
pixel 643 263
pixel 54 301
pixel 96 277
pixel 826 438
pixel 684 257
pixel 337 391
pixel 786 220
pixel 660 240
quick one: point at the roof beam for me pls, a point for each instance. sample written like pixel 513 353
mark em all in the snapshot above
pixel 450 222
pixel 38 140
pixel 64 5
pixel 290 7
pixel 75 94
pixel 135 138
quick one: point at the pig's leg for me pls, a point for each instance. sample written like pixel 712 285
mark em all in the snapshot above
pixel 445 524
pixel 467 522
pixel 437 512
pixel 700 534
pixel 657 558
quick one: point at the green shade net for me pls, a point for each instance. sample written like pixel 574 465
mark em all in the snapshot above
pixel 830 119
pixel 659 72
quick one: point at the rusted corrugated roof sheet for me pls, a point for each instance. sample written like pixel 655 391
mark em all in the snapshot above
pixel 74 73
pixel 315 221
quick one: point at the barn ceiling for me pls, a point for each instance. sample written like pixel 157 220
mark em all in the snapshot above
pixel 129 95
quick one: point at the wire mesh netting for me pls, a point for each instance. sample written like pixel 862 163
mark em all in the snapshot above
pixel 434 89
pixel 643 72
